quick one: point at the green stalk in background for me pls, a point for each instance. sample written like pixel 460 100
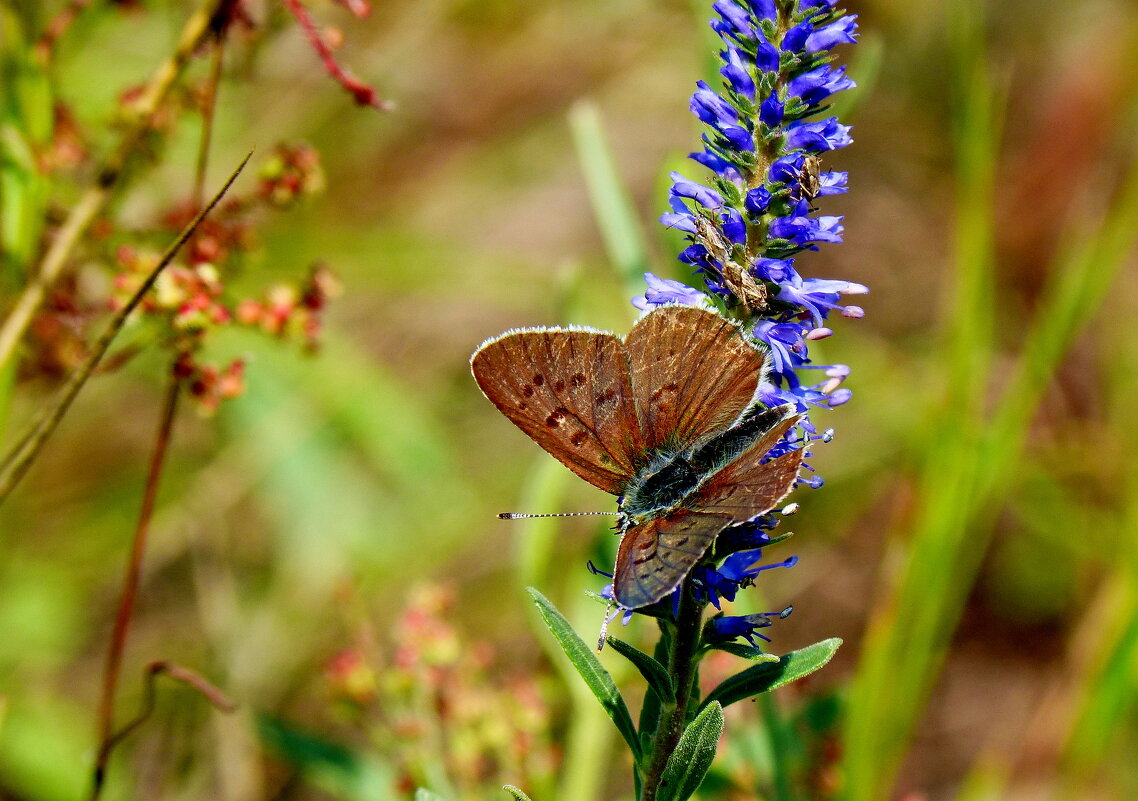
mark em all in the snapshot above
pixel 973 455
pixel 26 100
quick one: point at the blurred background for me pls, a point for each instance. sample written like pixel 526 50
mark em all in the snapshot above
pixel 325 547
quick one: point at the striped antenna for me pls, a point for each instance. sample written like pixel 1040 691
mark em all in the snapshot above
pixel 604 628
pixel 523 515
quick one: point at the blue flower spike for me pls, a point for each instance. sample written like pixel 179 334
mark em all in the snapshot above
pixel 748 225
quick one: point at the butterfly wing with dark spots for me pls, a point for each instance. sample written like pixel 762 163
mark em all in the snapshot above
pixel 654 557
pixel 571 393
pixel 692 372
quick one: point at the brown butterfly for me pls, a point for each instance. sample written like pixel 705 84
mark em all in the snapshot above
pixel 665 419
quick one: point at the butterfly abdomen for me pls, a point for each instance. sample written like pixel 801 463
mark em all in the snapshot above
pixel 722 449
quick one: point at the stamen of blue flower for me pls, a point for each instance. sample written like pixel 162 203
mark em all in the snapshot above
pixel 730 627
pixel 788 562
pixel 596 571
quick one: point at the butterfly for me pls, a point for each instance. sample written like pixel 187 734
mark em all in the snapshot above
pixel 665 419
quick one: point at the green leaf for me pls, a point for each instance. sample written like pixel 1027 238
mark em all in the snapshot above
pixel 745 651
pixel 767 676
pixel 423 794
pixel 337 769
pixel 591 670
pixel 693 756
pixel 652 671
pixel 515 792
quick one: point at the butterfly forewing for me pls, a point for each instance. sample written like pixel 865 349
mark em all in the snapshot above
pixel 693 373
pixel 654 557
pixel 570 391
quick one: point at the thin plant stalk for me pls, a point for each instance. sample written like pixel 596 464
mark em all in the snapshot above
pixel 178 673
pixel 127 601
pixel 208 111
pixel 682 663
pixel 20 457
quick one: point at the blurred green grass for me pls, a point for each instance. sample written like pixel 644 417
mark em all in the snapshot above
pixel 982 475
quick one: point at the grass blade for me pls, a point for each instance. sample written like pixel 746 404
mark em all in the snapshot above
pixel 612 208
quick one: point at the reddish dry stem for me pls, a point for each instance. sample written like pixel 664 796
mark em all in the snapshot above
pixel 127 602
pixel 364 95
pixel 57 27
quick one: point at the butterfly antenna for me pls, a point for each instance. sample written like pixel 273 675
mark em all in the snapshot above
pixel 523 515
pixel 604 628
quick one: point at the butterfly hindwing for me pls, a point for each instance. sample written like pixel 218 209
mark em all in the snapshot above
pixel 654 557
pixel 570 391
pixel 693 373
pixel 748 486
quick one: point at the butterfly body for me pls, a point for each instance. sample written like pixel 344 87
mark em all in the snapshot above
pixel 671 481
pixel 665 419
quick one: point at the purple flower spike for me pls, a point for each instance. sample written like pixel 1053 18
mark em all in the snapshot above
pixel 747 226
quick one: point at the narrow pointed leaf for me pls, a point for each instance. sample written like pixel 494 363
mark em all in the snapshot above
pixel 652 671
pixel 693 756
pixel 515 792
pixel 767 676
pixel 592 671
pixel 746 651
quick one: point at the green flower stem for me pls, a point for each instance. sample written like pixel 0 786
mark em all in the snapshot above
pixel 683 659
pixel 780 747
